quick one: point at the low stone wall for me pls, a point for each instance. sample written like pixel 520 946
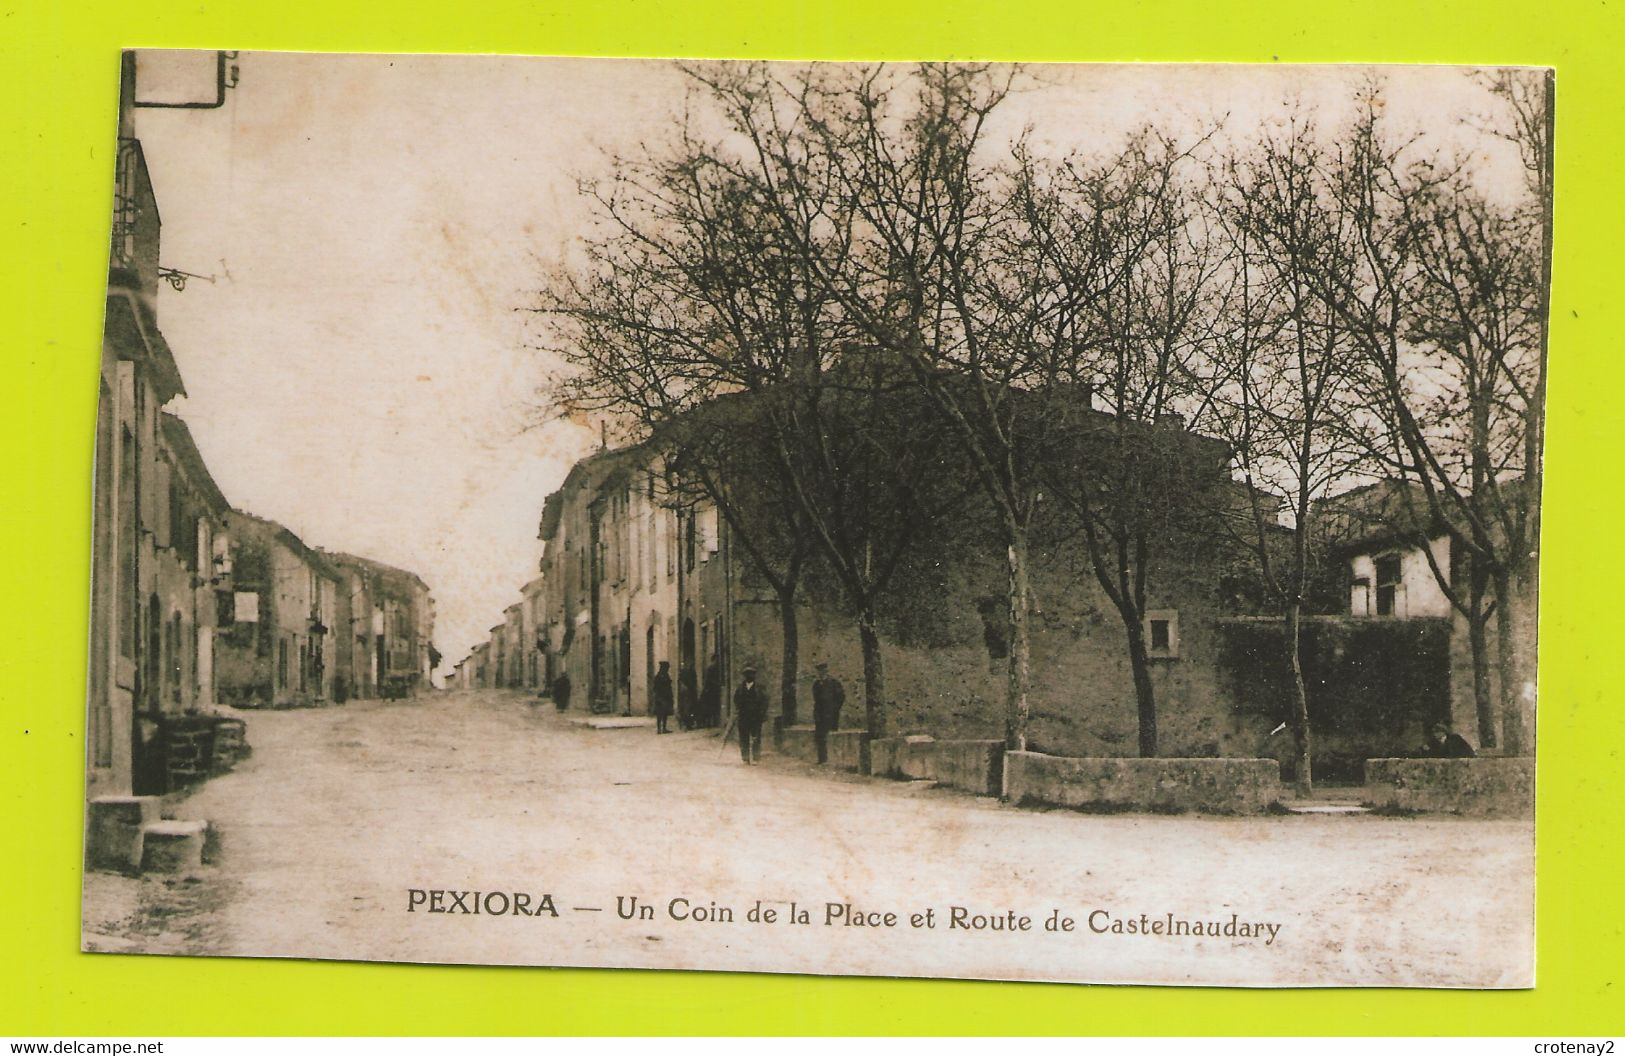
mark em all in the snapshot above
pixel 1482 786
pixel 1207 786
pixel 901 757
pixel 848 749
pixel 797 741
pixel 970 766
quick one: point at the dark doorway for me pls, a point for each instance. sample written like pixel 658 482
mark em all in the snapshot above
pixel 649 662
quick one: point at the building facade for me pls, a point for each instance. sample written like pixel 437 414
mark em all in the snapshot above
pixel 639 568
pixel 159 553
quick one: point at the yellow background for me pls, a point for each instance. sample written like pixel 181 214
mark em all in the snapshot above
pixel 58 82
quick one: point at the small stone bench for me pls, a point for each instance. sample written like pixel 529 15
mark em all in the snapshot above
pixel 173 846
pixel 113 832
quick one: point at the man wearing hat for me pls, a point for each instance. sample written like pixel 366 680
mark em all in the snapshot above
pixel 750 708
pixel 660 692
pixel 828 696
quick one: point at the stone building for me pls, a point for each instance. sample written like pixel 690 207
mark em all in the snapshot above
pixel 386 616
pixel 516 647
pixel 278 649
pixel 639 568
pixel 533 602
pixel 158 557
pixel 1402 569
pixel 607 605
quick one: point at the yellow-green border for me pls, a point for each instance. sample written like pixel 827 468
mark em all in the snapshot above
pixel 58 71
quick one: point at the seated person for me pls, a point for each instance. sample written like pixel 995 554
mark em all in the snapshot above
pixel 1445 743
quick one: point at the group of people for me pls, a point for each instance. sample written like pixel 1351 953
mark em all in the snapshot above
pixel 693 707
pixel 750 709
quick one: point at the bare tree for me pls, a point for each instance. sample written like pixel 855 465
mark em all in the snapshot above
pixel 1447 305
pixel 711 293
pixel 921 279
pixel 670 310
pixel 1285 379
pixel 1123 306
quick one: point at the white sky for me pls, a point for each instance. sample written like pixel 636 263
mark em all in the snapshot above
pixel 376 224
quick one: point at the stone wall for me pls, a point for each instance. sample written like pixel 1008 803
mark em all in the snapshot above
pixel 797 741
pixel 970 766
pixel 1483 786
pixel 944 677
pixel 1209 786
pixel 1374 685
pixel 848 749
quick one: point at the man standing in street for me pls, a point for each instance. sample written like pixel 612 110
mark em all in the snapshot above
pixel 828 696
pixel 661 697
pixel 561 691
pixel 750 709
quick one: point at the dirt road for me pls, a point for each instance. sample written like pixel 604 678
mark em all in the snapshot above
pixel 345 821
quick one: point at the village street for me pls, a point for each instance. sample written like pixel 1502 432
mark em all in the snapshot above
pixel 341 812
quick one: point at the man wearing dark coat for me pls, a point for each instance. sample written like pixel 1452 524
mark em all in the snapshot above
pixel 750 709
pixel 828 696
pixel 561 691
pixel 661 697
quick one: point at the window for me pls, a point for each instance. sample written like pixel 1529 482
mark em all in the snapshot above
pixel 671 545
pixel 652 531
pixel 178 526
pixel 1360 596
pixel 128 503
pixel 163 503
pixel 1162 633
pixel 1388 595
pixel 710 539
pixel 634 548
pixel 172 658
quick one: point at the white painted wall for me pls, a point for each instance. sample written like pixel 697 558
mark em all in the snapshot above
pixel 1419 593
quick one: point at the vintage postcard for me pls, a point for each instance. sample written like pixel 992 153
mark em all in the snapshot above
pixel 1051 522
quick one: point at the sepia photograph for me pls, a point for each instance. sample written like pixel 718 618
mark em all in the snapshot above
pixel 1074 523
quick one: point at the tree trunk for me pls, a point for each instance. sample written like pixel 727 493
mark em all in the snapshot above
pixel 1478 644
pixel 1517 686
pixel 1145 694
pixel 874 678
pixel 790 665
pixel 1020 669
pixel 1300 699
pixel 1483 692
